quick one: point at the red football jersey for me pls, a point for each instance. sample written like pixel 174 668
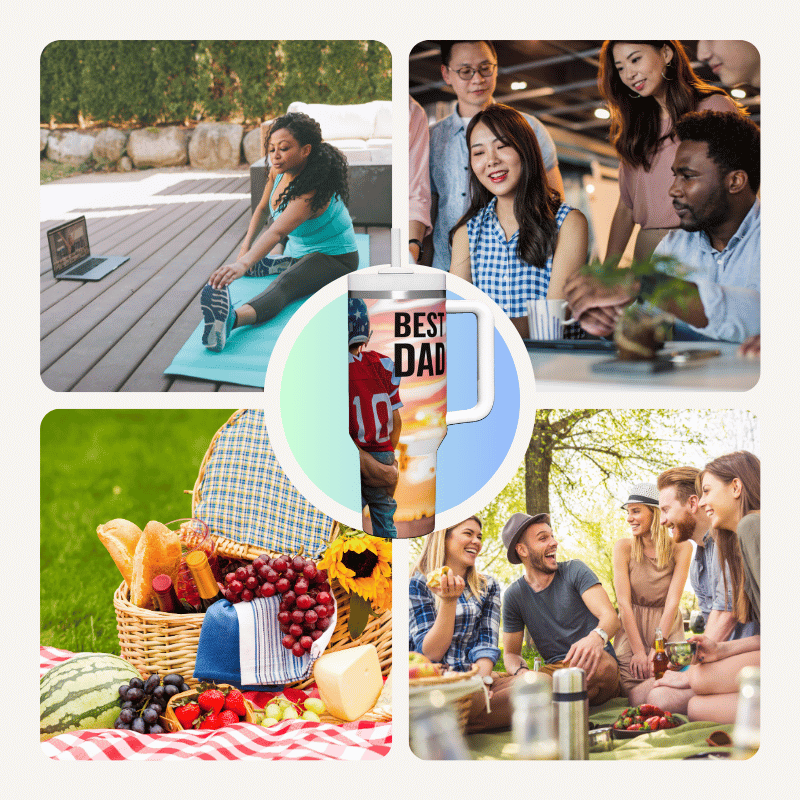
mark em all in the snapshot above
pixel 374 395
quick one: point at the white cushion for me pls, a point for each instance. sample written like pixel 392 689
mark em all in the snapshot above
pixel 340 122
pixel 383 119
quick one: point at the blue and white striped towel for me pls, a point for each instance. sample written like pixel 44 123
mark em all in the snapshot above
pixel 262 657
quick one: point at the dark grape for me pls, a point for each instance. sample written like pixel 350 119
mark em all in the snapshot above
pixel 185 687
pixel 173 679
pixel 159 693
pixel 157 707
pixel 127 704
pixel 150 715
pixel 156 729
pixel 139 725
pixel 123 691
pixel 136 683
pixel 126 715
pixel 136 694
pixel 122 726
pixel 171 690
pixel 151 683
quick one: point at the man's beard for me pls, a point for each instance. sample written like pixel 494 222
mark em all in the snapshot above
pixel 684 530
pixel 537 561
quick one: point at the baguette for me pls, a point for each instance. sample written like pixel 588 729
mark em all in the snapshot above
pixel 120 538
pixel 158 552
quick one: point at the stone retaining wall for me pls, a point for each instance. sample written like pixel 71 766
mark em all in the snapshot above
pixel 209 146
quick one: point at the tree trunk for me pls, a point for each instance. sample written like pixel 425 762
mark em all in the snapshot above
pixel 538 460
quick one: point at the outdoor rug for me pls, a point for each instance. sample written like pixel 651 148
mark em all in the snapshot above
pixel 688 740
pixel 246 355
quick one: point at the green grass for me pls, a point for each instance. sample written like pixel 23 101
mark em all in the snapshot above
pixel 528 653
pixel 99 465
pixel 50 171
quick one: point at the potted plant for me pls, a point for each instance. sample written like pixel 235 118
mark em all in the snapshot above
pixel 642 328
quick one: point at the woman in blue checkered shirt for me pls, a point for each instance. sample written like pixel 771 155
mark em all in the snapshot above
pixel 454 618
pixel 517 241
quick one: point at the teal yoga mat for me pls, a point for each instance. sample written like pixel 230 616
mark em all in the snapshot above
pixel 246 355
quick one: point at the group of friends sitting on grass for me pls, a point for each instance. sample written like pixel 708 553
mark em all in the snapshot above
pixel 569 616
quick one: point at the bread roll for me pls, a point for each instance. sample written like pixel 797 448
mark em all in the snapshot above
pixel 120 538
pixel 434 579
pixel 158 552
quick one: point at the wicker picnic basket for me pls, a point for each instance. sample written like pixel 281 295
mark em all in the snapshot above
pixel 462 705
pixel 157 642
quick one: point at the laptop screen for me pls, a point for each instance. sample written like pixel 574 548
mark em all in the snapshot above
pixel 69 243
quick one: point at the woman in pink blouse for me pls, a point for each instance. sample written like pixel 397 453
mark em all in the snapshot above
pixel 648 86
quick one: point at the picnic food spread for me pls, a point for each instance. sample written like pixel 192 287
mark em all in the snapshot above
pixel 644 718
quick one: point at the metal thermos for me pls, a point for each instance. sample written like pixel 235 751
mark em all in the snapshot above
pixel 435 735
pixel 532 718
pixel 747 728
pixel 571 703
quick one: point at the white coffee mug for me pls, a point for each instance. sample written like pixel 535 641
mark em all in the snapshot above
pixel 547 318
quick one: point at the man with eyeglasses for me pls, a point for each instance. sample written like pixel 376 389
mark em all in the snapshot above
pixel 471 69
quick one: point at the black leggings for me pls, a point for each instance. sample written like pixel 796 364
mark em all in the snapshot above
pixel 306 275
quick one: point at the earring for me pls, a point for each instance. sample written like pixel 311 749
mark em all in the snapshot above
pixel 634 96
pixel 664 71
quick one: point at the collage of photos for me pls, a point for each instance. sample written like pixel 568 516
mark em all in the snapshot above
pixel 579 563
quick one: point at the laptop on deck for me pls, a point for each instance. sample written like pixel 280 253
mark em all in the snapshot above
pixel 592 345
pixel 70 256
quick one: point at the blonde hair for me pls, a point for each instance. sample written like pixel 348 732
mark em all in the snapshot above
pixel 432 558
pixel 661 539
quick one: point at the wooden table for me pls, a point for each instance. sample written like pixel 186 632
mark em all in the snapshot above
pixel 558 370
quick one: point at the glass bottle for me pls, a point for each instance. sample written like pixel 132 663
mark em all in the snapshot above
pixel 747 728
pixel 435 735
pixel 204 579
pixel 532 718
pixel 660 659
pixel 166 597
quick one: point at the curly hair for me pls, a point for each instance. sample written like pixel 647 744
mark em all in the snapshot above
pixel 734 142
pixel 535 202
pixel 746 468
pixel 325 172
pixel 636 121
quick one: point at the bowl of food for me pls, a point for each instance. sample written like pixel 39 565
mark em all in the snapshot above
pixel 680 653
pixel 600 739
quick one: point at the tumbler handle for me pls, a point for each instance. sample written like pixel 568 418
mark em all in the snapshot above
pixel 485 361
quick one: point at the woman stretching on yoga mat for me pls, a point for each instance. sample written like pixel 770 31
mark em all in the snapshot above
pixel 307 195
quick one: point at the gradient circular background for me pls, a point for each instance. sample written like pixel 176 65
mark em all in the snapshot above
pixel 306 396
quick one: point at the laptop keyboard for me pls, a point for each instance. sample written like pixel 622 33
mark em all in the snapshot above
pixel 86 266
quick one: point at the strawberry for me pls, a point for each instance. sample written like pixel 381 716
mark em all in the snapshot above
pixel 211 700
pixel 187 714
pixel 227 717
pixel 211 720
pixel 235 702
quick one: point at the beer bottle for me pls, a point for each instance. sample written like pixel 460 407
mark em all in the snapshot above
pixel 204 579
pixel 660 659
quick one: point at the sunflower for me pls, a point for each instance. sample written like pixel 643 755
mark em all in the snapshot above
pixel 363 566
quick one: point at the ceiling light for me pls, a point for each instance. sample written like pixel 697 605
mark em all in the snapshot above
pixel 602 113
pixel 518 85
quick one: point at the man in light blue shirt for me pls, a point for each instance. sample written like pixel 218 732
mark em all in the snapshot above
pixel 470 68
pixel 718 246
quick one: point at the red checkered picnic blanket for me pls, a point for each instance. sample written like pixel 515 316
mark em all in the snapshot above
pixel 292 740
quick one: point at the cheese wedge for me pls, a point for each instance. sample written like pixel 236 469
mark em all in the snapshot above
pixel 349 681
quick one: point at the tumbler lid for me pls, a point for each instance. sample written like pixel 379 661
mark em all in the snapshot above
pixel 569 680
pixel 383 279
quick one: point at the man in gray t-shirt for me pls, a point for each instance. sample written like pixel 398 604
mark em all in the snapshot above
pixel 564 607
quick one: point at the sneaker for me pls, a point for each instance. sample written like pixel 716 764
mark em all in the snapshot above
pixel 217 315
pixel 269 265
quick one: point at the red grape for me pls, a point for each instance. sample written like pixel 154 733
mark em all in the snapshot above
pixel 288 641
pixel 284 628
pixel 290 575
pixel 251 583
pixel 324 598
pixel 247 595
pixel 301 586
pixel 284 617
pixel 296 630
pixel 322 611
pixel 309 572
pixel 321 576
pixel 282 585
pixel 289 598
pixel 298 616
pixel 311 617
pixel 298 651
pixel 298 562
pixel 306 642
pixel 260 562
pixel 268 589
pixel 322 624
pixel 316 633
pixel 272 576
pixel 280 565
pixel 241 574
pixel 230 578
pixel 304 602
pixel 237 586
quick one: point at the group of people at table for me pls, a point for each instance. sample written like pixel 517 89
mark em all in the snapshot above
pixel 569 616
pixel 689 176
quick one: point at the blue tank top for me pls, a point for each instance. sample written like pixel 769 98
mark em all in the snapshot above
pixel 331 232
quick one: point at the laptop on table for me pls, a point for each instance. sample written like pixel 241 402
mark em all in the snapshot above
pixel 70 255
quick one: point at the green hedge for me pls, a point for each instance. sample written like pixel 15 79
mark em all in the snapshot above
pixel 148 82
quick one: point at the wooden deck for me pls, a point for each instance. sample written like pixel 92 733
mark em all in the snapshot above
pixel 121 333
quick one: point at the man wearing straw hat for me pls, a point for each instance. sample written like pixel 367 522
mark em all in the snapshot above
pixel 564 607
